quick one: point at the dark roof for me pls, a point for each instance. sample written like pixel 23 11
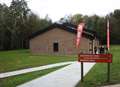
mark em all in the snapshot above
pixel 67 27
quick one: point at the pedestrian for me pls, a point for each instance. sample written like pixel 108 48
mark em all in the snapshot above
pixel 95 50
pixel 102 50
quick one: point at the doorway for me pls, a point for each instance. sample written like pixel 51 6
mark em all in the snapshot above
pixel 55 47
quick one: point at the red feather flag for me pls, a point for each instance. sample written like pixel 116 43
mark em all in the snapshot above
pixel 79 34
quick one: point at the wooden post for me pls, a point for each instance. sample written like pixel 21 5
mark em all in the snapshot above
pixel 82 72
pixel 108 68
pixel 108 72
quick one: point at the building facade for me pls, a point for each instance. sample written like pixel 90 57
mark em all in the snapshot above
pixel 59 39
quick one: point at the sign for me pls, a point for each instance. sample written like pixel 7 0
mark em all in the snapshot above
pixel 102 58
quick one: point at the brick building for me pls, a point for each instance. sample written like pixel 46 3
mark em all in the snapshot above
pixel 59 39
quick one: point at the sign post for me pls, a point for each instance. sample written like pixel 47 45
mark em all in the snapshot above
pixel 108 73
pixel 99 58
pixel 82 72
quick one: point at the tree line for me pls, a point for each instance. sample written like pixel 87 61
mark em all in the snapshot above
pixel 99 24
pixel 17 22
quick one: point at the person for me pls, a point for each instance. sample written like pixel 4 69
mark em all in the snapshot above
pixel 95 50
pixel 102 50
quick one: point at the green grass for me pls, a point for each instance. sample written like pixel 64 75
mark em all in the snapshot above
pixel 20 59
pixel 20 79
pixel 97 76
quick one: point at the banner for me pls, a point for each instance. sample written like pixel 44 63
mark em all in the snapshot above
pixel 79 34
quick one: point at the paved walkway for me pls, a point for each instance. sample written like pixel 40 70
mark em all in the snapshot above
pixel 23 71
pixel 68 76
pixel 117 85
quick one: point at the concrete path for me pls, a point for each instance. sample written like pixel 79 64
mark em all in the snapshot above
pixel 23 71
pixel 116 85
pixel 68 76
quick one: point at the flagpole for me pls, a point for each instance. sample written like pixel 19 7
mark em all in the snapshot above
pixel 108 35
pixel 108 48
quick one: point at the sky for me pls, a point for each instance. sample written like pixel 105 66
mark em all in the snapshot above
pixel 57 9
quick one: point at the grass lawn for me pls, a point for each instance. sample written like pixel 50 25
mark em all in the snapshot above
pixel 20 59
pixel 20 79
pixel 97 76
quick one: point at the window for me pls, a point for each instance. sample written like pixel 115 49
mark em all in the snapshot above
pixel 55 47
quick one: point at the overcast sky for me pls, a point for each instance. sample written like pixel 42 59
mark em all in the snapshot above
pixel 60 8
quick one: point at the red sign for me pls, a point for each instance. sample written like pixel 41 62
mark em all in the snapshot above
pixel 103 58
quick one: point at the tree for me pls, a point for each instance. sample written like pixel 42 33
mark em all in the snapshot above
pixel 18 14
pixel 4 28
pixel 17 23
pixel 76 19
pixel 115 26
